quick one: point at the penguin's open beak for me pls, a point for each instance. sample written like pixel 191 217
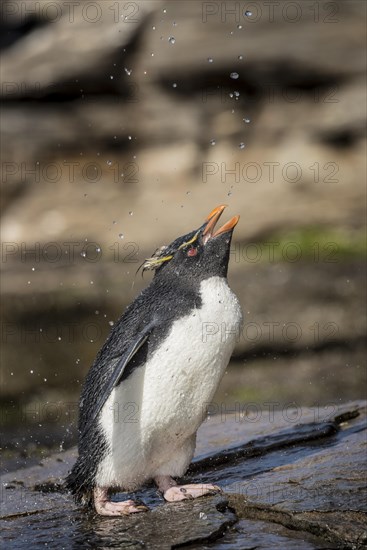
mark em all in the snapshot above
pixel 212 220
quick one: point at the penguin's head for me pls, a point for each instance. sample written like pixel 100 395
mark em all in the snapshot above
pixel 200 254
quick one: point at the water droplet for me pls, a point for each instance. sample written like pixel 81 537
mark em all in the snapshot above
pixel 98 249
pixel 174 85
pixel 212 142
pixel 174 24
pixel 153 28
pixel 114 222
pixel 172 40
pixel 111 77
pixel 234 76
pixel 228 194
pixel 128 71
pixel 188 192
pixel 31 371
pixel 246 120
pixel 109 162
pixel 121 235
pixel 83 254
pixel 236 94
pixel 210 60
pixel 131 213
pixel 92 282
pixel 96 312
pixel 239 26
pixel 111 323
pixel 240 57
pixel 45 379
pixel 129 138
pixel 248 13
pixel 202 515
pixel 59 338
pixel 241 145
pixel 164 10
pixel 33 269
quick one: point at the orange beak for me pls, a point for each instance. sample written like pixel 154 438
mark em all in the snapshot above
pixel 212 220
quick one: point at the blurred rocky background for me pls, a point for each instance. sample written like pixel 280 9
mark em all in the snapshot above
pixel 123 125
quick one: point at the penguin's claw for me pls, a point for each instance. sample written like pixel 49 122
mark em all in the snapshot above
pixel 125 508
pixel 106 507
pixel 186 492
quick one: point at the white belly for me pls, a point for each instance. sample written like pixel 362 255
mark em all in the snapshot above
pixel 151 419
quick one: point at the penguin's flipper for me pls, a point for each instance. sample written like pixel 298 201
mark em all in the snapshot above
pixel 118 371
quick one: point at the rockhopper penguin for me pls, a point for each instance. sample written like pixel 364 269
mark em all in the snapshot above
pixel 146 394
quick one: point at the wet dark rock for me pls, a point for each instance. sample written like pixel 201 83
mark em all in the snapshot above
pixel 323 492
pixel 174 526
pixel 291 479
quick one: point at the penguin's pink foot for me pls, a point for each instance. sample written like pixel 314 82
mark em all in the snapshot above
pixel 174 493
pixel 194 490
pixel 106 507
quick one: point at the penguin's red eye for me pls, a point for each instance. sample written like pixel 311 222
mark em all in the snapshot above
pixel 192 252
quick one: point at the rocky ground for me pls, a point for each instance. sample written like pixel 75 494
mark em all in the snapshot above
pixel 290 479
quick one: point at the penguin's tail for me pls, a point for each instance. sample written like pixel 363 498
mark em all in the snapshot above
pixel 80 485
